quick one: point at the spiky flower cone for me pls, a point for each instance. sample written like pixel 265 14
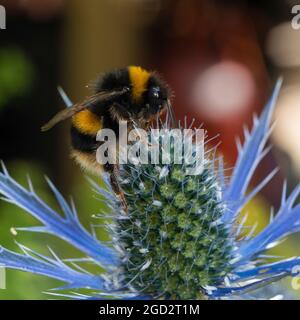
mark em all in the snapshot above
pixel 173 242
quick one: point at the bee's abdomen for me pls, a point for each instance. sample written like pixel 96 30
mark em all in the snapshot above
pixel 87 122
pixel 84 148
pixel 85 126
pixel 83 142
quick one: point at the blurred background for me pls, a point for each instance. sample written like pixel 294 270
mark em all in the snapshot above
pixel 220 58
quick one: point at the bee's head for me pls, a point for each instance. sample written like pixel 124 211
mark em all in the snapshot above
pixel 147 95
pixel 154 99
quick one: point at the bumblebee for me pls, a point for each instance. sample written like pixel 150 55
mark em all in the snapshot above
pixel 132 94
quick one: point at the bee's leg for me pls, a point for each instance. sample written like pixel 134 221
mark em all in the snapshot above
pixel 117 189
pixel 114 172
pixel 160 123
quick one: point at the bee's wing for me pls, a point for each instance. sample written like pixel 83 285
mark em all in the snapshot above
pixel 69 112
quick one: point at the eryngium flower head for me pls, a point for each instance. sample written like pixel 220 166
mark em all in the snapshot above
pixel 180 237
pixel 173 240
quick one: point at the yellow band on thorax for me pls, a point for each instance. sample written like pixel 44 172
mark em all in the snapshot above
pixel 139 79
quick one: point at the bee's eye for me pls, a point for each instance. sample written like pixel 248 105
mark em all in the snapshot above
pixel 155 92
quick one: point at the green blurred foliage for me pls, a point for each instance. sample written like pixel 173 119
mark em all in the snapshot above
pixel 16 74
